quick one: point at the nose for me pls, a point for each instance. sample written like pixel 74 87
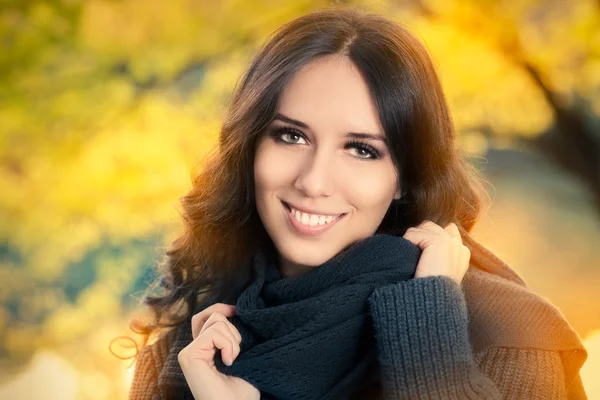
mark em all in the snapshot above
pixel 316 178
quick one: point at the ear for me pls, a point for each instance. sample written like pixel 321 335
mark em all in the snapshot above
pixel 398 195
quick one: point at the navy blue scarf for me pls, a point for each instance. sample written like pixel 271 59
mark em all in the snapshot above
pixel 310 337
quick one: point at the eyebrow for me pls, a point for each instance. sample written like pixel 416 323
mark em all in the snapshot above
pixel 355 135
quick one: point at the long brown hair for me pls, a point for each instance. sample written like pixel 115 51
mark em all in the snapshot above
pixel 221 227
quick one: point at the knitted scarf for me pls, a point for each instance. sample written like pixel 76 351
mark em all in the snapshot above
pixel 310 337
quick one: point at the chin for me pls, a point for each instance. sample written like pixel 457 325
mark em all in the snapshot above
pixel 310 254
pixel 297 256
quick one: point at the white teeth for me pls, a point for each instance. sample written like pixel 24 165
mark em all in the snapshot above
pixel 305 218
pixel 311 219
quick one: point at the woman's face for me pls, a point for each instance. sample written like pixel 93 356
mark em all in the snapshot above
pixel 311 159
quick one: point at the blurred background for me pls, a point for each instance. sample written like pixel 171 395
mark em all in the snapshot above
pixel 106 107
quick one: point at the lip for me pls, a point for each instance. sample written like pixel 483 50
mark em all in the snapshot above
pixel 307 230
pixel 308 211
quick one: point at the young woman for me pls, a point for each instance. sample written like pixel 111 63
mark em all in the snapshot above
pixel 326 252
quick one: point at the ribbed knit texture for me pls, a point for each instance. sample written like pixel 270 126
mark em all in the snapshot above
pixel 149 364
pixel 489 338
pixel 425 321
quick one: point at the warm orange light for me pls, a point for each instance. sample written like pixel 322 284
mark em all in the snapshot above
pixel 591 369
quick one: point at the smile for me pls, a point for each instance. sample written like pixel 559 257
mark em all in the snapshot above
pixel 310 224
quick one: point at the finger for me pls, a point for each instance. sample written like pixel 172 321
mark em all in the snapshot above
pixel 453 231
pixel 431 226
pixel 214 338
pixel 417 237
pixel 220 317
pixel 466 255
pixel 217 336
pixel 235 331
pixel 230 331
pixel 224 328
pixel 199 319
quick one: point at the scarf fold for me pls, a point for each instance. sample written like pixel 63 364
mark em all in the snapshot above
pixel 310 337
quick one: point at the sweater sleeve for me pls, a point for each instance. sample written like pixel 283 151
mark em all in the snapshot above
pixel 144 385
pixel 421 326
pixel 150 360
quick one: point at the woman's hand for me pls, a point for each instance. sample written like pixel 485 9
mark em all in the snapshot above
pixel 211 331
pixel 442 250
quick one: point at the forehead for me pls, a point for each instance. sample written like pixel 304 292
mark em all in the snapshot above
pixel 331 93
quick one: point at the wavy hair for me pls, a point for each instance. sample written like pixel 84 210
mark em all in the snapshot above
pixel 221 226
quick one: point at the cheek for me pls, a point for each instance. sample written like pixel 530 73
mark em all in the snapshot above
pixel 271 171
pixel 372 198
pixel 372 191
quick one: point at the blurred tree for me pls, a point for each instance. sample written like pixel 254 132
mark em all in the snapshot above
pixel 105 106
pixel 556 44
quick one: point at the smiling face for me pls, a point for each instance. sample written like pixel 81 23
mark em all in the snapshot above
pixel 315 157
